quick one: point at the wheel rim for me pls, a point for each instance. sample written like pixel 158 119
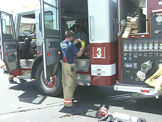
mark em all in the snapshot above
pixel 48 84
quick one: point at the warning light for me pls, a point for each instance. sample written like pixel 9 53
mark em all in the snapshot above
pixel 145 91
pixel 59 52
pixel 48 54
pixel 38 52
pixel 6 54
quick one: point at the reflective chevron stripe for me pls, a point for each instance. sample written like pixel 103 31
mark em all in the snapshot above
pixel 68 101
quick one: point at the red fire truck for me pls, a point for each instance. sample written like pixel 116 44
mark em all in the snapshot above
pixel 33 52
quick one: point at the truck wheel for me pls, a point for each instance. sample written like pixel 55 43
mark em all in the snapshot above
pixel 53 87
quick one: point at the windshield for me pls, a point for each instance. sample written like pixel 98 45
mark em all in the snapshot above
pixel 27 26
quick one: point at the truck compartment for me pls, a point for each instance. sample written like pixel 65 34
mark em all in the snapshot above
pixel 134 8
pixel 140 49
pixel 74 17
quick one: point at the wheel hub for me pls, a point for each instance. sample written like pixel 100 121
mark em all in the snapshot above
pixel 50 82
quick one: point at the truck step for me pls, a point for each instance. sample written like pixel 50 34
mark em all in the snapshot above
pixel 23 77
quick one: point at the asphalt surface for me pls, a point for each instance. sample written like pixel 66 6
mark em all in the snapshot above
pixel 23 102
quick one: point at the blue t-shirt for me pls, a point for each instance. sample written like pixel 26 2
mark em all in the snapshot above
pixel 70 50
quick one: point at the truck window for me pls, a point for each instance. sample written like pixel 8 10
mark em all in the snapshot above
pixel 51 16
pixel 7 24
pixel 50 23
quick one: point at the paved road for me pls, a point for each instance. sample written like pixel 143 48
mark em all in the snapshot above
pixel 22 102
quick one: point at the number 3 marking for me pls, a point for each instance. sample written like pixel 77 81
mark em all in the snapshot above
pixel 99 52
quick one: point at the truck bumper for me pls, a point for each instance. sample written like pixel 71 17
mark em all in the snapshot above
pixel 134 88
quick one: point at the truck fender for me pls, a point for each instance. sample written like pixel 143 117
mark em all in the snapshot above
pixel 37 61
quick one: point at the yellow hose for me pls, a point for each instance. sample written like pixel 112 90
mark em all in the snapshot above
pixel 156 79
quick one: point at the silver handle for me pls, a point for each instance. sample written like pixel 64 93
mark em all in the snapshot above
pixel 43 37
pixel 91 27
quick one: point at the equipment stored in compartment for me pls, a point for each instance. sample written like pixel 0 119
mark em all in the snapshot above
pixel 133 10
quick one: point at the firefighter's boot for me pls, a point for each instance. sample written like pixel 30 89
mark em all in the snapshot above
pixel 22 81
pixel 10 78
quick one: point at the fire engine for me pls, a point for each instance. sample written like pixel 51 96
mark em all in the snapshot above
pixel 123 43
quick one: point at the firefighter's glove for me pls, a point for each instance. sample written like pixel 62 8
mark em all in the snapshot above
pixel 76 41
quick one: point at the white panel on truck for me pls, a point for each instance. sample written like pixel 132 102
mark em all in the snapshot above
pixel 102 14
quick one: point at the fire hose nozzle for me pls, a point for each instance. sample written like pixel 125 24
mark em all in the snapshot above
pixel 141 75
pixel 145 67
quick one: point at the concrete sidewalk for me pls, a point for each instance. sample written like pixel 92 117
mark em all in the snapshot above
pixel 1 62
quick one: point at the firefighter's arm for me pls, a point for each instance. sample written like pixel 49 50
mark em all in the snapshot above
pixel 80 52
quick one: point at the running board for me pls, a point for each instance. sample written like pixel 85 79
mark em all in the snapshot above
pixel 23 77
pixel 84 79
pixel 137 89
pixel 84 84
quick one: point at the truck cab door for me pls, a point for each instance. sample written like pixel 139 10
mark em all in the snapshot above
pixel 50 22
pixel 8 41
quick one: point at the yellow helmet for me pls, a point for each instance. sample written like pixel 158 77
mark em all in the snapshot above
pixel 82 43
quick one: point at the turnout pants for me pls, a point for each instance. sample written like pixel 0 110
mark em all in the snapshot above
pixel 69 78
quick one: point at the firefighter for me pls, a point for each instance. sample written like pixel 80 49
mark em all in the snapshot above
pixel 69 76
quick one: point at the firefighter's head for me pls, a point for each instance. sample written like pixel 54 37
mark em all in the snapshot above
pixel 69 35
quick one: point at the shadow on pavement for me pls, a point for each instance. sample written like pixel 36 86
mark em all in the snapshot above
pixel 90 99
pixel 31 93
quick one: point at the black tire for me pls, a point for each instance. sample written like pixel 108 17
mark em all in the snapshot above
pixel 43 88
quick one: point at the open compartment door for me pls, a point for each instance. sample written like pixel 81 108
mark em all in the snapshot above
pixel 50 18
pixel 8 41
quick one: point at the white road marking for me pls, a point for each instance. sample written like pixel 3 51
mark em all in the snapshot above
pixel 7 116
pixel 37 99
